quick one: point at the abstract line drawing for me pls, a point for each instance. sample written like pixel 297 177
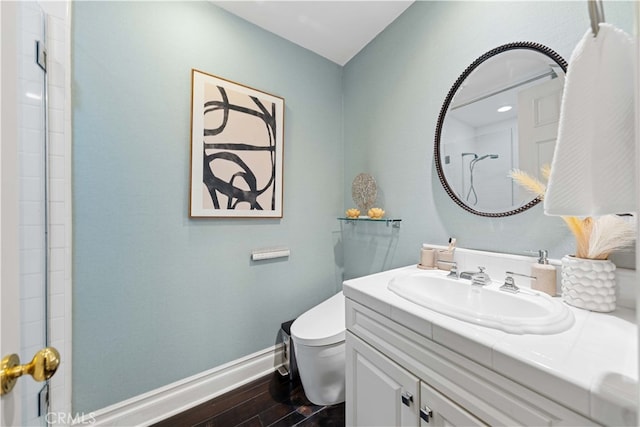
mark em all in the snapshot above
pixel 236 150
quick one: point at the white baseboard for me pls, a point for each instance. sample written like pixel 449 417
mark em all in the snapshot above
pixel 164 402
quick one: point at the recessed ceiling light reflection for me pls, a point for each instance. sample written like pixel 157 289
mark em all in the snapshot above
pixel 504 108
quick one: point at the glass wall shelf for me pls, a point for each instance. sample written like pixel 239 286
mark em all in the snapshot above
pixel 394 222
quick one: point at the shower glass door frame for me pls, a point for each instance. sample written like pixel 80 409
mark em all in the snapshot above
pixel 34 206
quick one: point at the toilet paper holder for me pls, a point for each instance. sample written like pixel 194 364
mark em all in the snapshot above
pixel 270 253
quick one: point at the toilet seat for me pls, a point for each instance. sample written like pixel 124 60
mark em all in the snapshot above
pixel 321 325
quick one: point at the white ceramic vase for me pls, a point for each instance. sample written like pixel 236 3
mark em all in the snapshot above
pixel 589 283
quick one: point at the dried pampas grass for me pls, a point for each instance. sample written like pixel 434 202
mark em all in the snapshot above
pixel 546 171
pixel 528 182
pixel 610 233
pixel 595 238
pixel 581 229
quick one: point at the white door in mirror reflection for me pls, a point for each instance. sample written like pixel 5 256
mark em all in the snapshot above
pixel 539 114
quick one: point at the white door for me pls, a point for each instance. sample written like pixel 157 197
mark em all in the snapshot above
pixel 379 392
pixel 15 394
pixel 10 409
pixel 538 117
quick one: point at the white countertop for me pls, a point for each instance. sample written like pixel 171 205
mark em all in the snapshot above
pixel 591 368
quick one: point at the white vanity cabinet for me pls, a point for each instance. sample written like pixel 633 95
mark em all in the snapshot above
pixel 384 394
pixel 394 372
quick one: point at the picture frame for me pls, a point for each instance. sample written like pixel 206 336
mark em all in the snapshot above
pixel 237 150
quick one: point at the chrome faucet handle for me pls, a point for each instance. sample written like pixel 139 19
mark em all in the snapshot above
pixel 510 283
pixel 453 273
pixel 454 268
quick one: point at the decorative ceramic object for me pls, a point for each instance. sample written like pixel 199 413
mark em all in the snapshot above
pixel 375 213
pixel 364 191
pixel 352 213
pixel 589 283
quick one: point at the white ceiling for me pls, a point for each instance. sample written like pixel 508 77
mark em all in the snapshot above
pixel 336 30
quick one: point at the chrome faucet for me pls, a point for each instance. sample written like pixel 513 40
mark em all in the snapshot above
pixel 467 275
pixel 510 283
pixel 478 278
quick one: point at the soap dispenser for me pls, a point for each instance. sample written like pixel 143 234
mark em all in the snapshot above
pixel 545 275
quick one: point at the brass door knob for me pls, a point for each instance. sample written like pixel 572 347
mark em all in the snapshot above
pixel 42 367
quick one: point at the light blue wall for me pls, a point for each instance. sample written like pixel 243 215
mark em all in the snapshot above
pixel 157 296
pixel 393 91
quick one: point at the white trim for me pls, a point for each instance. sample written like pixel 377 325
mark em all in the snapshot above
pixel 637 130
pixel 172 399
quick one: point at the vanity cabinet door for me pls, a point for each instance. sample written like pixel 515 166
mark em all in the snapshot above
pixel 378 391
pixel 437 410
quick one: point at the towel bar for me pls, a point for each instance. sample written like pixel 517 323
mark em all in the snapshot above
pixel 596 13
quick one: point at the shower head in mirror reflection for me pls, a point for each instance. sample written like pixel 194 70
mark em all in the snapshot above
pixel 491 156
pixel 472 165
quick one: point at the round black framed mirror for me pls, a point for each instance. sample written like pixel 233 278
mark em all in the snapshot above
pixel 501 114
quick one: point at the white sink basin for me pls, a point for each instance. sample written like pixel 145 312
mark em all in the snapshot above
pixel 527 312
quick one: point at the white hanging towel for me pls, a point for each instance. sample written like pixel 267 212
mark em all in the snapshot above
pixel 593 168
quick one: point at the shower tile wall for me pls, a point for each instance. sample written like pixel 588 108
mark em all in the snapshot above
pixel 32 190
pixel 30 152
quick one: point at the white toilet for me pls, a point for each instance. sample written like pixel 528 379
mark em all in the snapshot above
pixel 318 340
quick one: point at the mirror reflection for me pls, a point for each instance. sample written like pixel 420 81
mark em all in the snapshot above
pixel 501 114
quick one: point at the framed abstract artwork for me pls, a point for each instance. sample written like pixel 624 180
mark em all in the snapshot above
pixel 236 150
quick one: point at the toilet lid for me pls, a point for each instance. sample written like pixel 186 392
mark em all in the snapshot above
pixel 323 324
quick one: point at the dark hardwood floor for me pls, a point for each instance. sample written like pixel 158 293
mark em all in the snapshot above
pixel 272 400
